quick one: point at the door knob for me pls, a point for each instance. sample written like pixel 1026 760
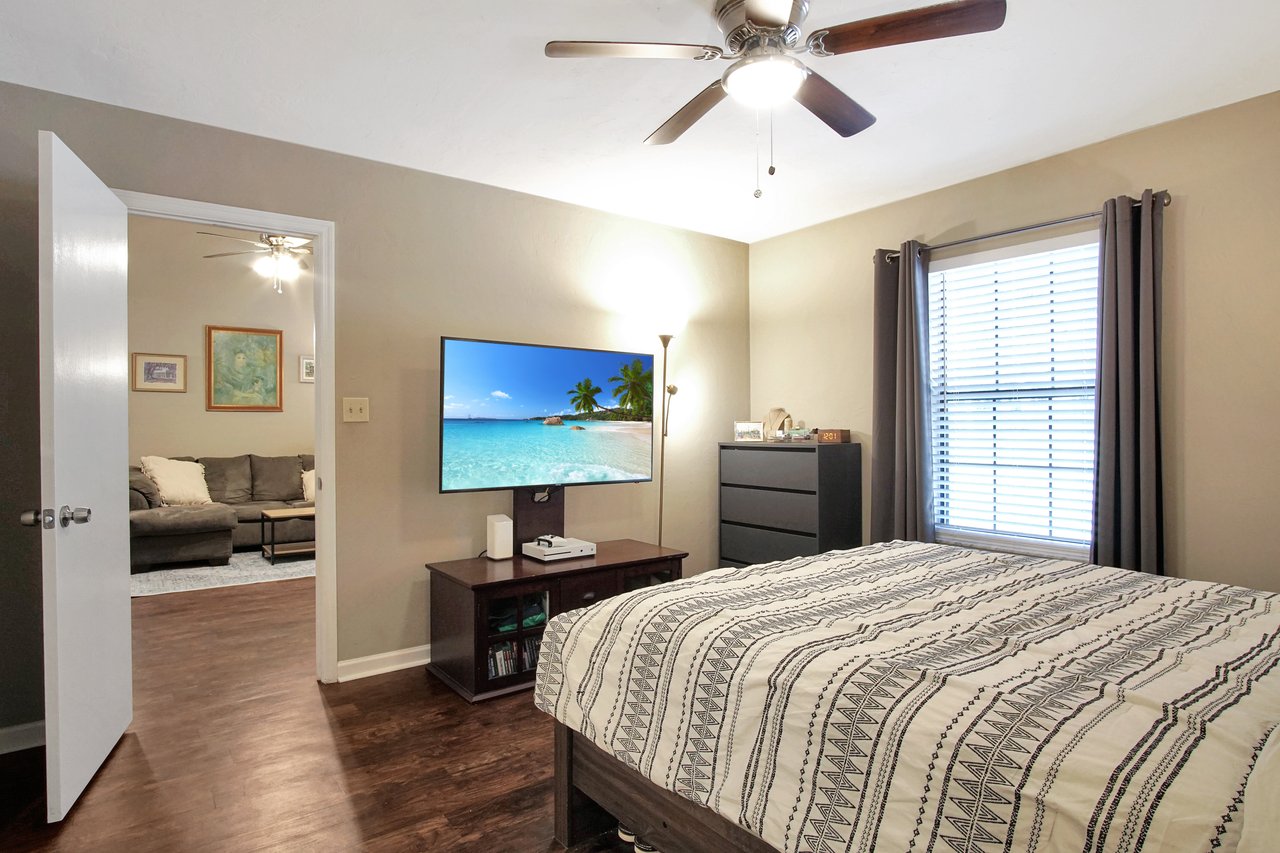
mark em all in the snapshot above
pixel 37 518
pixel 80 515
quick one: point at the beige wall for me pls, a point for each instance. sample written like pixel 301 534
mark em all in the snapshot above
pixel 418 256
pixel 811 305
pixel 173 294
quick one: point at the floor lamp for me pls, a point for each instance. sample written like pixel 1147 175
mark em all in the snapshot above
pixel 667 392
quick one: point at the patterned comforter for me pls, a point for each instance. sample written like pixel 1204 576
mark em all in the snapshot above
pixel 925 697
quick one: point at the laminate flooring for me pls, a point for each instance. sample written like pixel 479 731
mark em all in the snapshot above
pixel 234 746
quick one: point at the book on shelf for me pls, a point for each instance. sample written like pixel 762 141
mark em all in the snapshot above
pixel 532 646
pixel 502 660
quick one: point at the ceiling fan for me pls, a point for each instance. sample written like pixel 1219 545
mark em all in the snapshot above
pixel 763 37
pixel 282 259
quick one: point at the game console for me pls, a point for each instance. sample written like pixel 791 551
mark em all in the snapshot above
pixel 548 548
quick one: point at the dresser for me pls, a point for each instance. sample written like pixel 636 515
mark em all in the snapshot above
pixel 487 616
pixel 788 499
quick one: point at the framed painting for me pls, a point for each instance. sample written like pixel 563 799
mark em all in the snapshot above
pixel 243 369
pixel 748 430
pixel 157 372
pixel 307 368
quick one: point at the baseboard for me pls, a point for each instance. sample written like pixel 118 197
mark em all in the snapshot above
pixel 350 670
pixel 18 738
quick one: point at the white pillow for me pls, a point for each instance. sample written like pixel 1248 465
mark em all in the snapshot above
pixel 309 485
pixel 180 483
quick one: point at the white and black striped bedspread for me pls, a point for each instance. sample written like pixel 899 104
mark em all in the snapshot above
pixel 925 697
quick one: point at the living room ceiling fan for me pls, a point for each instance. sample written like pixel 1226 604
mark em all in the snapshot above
pixel 282 259
pixel 762 39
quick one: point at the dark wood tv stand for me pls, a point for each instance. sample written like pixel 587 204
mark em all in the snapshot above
pixel 487 615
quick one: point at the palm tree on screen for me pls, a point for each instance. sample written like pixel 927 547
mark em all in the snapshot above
pixel 634 389
pixel 583 396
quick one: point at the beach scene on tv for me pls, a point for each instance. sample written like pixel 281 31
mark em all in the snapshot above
pixel 523 415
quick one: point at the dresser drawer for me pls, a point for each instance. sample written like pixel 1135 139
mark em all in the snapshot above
pixel 584 590
pixel 783 510
pixel 774 468
pixel 752 545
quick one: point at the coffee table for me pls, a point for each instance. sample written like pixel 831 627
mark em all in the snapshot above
pixel 270 549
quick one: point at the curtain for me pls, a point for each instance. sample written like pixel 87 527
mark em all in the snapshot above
pixel 901 491
pixel 1128 506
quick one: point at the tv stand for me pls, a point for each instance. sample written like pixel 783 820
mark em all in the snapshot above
pixel 487 616
pixel 533 517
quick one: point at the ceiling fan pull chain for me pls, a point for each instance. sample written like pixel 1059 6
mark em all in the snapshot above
pixel 771 169
pixel 759 192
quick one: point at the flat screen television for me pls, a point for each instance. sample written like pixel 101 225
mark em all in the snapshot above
pixel 516 415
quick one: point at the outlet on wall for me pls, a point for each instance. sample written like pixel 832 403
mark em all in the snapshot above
pixel 355 409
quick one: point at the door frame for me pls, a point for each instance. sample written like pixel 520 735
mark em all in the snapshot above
pixel 322 234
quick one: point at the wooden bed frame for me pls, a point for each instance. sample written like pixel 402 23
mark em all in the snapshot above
pixel 594 792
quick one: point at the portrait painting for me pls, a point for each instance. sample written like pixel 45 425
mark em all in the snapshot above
pixel 243 369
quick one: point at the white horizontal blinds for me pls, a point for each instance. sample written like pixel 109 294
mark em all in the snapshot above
pixel 1012 373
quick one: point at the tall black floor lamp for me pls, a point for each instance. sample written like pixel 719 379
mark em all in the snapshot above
pixel 668 392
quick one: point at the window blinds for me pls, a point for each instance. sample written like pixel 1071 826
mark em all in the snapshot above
pixel 1012 375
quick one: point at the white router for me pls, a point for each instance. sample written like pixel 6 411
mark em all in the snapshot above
pixel 548 548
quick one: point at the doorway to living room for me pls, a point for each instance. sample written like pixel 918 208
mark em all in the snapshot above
pixel 232 370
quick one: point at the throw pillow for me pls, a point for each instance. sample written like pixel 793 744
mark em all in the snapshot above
pixel 309 485
pixel 180 483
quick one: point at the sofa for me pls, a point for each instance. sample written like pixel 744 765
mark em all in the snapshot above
pixel 241 487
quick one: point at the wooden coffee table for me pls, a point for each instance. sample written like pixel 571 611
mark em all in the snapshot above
pixel 270 549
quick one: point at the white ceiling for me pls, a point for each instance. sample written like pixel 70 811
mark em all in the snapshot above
pixel 463 89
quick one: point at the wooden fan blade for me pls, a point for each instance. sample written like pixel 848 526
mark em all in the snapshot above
pixel 840 112
pixel 240 239
pixel 229 254
pixel 769 13
pixel 631 50
pixel 930 22
pixel 687 115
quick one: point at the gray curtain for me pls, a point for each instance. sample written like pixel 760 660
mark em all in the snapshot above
pixel 901 493
pixel 1128 506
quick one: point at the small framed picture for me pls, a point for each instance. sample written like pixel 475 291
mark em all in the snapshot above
pixel 157 372
pixel 306 368
pixel 748 430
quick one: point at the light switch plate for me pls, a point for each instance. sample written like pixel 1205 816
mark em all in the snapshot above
pixel 355 409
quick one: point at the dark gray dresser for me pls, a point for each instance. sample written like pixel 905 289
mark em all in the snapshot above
pixel 788 499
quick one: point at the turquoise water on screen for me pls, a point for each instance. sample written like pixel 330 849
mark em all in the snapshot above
pixel 486 454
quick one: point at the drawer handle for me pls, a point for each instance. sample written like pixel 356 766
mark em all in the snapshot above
pixel 588 596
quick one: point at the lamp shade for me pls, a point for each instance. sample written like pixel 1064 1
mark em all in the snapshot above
pixel 765 80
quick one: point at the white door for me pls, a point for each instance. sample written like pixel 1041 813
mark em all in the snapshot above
pixel 88 658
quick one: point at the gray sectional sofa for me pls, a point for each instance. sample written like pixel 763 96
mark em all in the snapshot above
pixel 241 488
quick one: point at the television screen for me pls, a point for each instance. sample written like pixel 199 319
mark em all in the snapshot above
pixel 516 415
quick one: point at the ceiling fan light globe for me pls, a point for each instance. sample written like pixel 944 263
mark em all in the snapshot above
pixel 762 82
pixel 287 268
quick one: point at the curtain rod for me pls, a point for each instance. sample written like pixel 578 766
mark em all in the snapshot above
pixel 1162 194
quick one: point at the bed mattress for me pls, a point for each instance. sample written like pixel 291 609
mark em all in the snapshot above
pixel 925 697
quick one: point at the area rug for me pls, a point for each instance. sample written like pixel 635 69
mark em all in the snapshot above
pixel 247 567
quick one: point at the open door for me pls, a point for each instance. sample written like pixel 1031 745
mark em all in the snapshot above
pixel 88 657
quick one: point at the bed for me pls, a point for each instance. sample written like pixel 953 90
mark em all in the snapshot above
pixel 920 697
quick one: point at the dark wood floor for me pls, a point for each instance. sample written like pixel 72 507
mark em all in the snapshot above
pixel 234 746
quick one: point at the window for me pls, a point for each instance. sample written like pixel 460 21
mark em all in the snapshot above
pixel 1012 378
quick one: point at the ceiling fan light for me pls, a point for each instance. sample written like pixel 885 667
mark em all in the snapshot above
pixel 764 81
pixel 278 267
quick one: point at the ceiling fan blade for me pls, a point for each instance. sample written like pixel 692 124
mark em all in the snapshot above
pixel 229 254
pixel 631 50
pixel 929 22
pixel 300 250
pixel 769 13
pixel 229 237
pixel 685 117
pixel 840 112
pixel 295 242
